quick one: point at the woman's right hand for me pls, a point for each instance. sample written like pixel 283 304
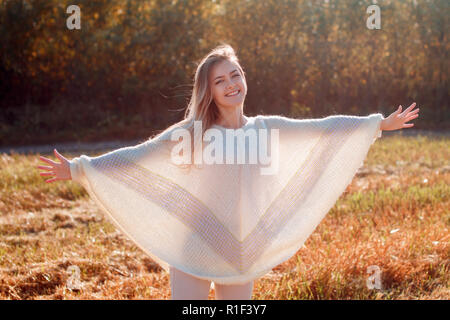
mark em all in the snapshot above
pixel 61 171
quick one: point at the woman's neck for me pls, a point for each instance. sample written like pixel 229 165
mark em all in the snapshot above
pixel 232 121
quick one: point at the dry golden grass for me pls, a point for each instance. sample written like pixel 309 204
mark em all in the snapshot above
pixel 394 215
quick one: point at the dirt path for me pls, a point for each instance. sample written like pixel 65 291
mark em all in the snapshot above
pixel 111 145
pixel 69 147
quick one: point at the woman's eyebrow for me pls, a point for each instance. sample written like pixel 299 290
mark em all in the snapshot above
pixel 222 76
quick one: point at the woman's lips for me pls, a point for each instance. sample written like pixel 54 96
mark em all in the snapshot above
pixel 232 94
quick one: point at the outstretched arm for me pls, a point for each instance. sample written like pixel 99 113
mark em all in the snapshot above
pixel 398 120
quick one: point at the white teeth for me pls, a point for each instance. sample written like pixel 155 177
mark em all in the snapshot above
pixel 232 94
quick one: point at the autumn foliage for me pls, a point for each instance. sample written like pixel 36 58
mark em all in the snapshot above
pixel 131 64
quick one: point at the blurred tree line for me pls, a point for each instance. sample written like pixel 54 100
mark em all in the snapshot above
pixel 130 68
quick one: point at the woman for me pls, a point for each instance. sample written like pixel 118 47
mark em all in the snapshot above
pixel 233 225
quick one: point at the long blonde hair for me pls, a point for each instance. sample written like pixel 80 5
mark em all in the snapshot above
pixel 201 106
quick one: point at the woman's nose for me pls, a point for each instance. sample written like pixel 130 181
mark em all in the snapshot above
pixel 231 84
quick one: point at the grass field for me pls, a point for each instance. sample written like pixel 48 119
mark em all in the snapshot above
pixel 394 215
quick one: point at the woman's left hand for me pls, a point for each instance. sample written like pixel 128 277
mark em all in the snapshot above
pixel 397 120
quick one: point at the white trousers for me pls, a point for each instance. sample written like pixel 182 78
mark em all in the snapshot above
pixel 187 287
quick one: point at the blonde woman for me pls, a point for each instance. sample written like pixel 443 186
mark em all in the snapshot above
pixel 226 224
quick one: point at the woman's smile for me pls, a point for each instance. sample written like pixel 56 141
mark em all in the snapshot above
pixel 234 93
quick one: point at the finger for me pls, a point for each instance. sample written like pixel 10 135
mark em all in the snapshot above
pixel 57 153
pixel 410 107
pixel 412 117
pixel 399 109
pixel 47 160
pixel 45 167
pixel 47 173
pixel 408 125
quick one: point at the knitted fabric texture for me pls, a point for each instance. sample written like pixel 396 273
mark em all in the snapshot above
pixel 228 223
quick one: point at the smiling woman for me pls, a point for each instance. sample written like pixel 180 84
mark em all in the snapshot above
pixel 227 223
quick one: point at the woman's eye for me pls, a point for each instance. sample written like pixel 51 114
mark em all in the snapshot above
pixel 236 75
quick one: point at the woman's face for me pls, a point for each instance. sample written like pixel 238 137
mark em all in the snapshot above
pixel 226 79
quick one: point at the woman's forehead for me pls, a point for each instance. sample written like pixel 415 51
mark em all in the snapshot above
pixel 222 68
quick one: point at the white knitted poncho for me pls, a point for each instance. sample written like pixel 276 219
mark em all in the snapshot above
pixel 222 222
